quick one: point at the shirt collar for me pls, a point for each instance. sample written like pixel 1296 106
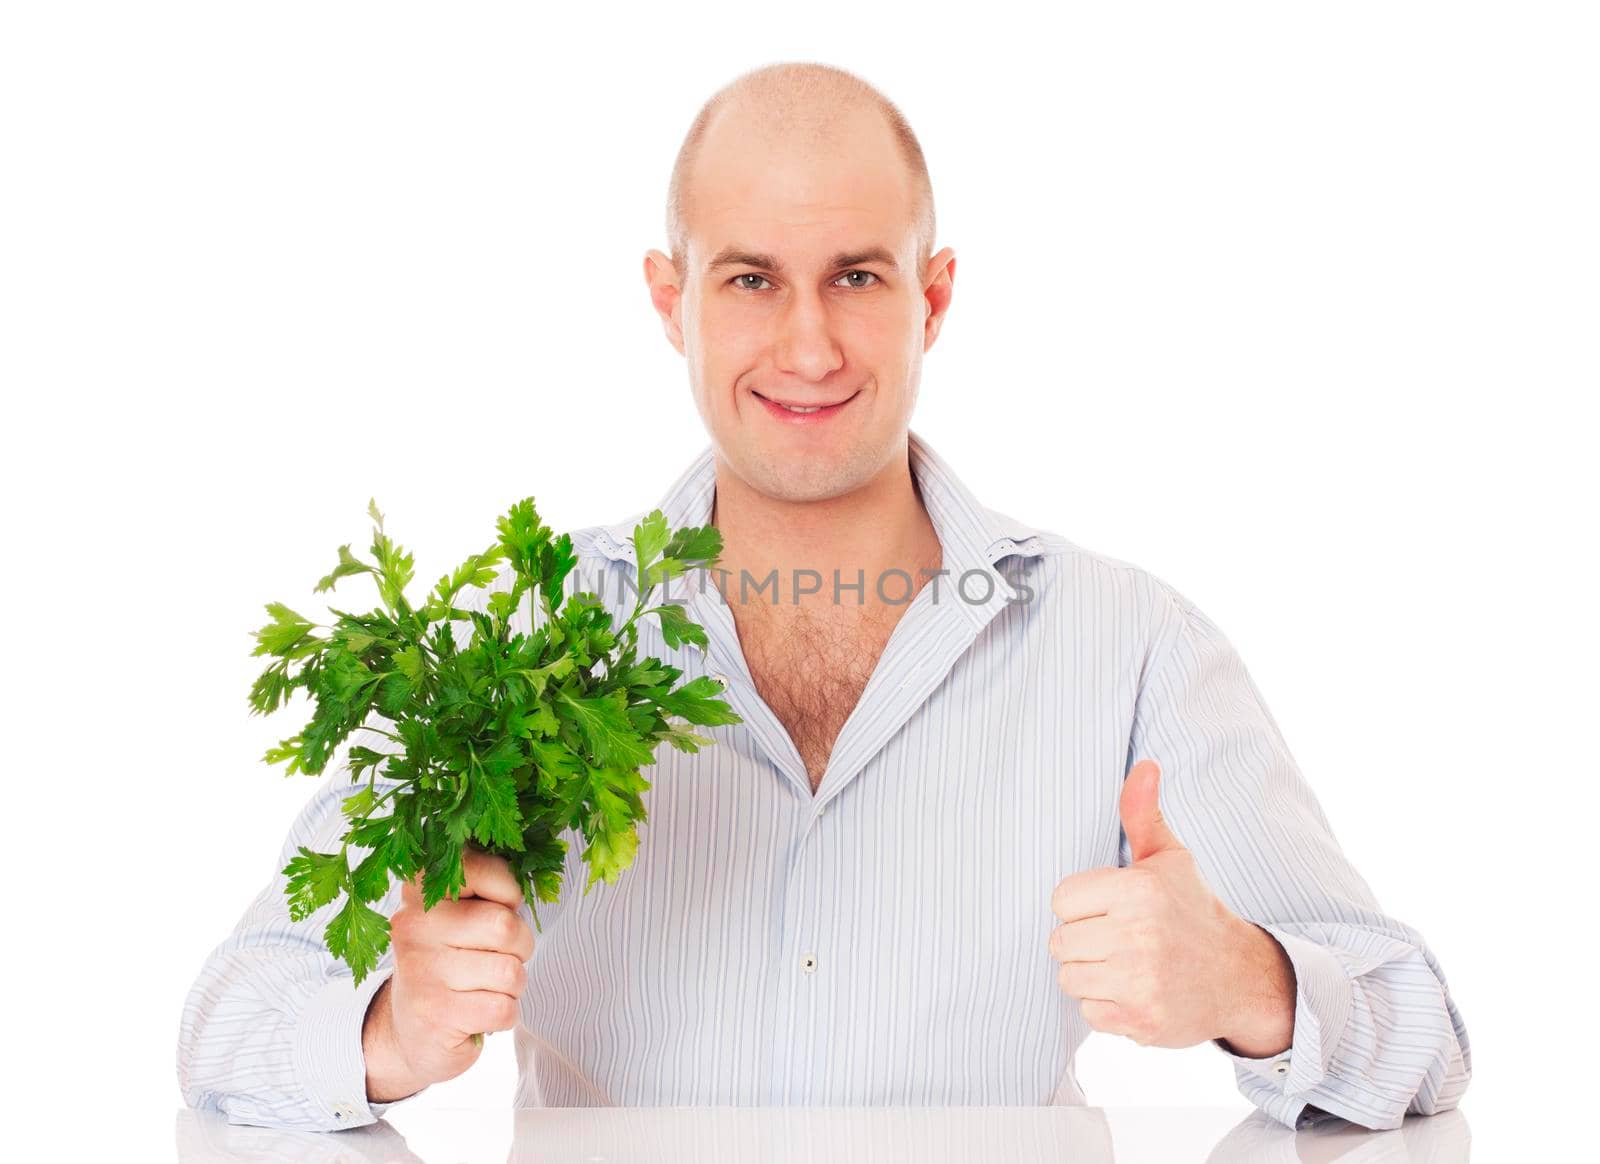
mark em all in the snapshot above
pixel 973 536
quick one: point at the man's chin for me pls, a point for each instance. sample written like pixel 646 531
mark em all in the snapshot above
pixel 800 475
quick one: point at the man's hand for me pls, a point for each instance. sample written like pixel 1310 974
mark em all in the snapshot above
pixel 459 970
pixel 1154 955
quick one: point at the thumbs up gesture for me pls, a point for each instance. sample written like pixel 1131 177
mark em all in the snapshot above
pixel 1152 954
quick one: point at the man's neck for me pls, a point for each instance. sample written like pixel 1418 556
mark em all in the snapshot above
pixel 878 527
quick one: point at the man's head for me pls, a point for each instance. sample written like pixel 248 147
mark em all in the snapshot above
pixel 801 223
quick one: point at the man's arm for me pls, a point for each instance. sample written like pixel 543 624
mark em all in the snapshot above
pixel 1375 1032
pixel 271 1029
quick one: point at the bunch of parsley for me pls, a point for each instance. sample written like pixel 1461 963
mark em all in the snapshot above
pixel 505 741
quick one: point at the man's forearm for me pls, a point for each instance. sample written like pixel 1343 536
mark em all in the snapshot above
pixel 1263 1011
pixel 388 1078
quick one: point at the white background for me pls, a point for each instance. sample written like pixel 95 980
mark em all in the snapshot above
pixel 1294 306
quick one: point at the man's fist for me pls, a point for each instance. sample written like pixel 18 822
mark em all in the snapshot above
pixel 459 969
pixel 1154 955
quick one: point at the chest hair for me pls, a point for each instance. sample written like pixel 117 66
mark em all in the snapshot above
pixel 810 666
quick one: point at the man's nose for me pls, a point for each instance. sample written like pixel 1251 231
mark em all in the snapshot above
pixel 805 345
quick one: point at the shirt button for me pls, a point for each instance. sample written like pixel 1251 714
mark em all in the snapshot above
pixel 809 963
pixel 722 679
pixel 1281 1066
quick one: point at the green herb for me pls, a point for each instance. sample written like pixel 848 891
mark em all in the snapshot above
pixel 504 742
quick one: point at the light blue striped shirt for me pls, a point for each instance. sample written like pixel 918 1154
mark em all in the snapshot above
pixel 883 942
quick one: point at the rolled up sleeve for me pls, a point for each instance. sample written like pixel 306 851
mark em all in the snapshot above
pixel 270 1033
pixel 1377 1034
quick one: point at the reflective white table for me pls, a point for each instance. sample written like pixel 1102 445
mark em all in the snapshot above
pixel 958 1135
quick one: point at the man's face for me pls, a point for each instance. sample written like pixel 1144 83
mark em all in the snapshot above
pixel 801 289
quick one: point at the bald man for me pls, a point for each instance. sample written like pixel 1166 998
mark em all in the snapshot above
pixel 990 791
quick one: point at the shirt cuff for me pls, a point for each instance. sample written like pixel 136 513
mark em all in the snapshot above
pixel 328 1060
pixel 1322 1003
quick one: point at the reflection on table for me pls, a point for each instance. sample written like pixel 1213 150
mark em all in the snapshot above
pixel 960 1135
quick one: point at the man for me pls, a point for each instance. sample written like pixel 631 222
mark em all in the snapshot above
pixel 991 790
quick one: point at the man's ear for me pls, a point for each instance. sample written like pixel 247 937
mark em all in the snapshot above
pixel 665 294
pixel 938 281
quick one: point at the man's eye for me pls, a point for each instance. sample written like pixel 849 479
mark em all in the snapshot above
pixel 868 274
pixel 736 279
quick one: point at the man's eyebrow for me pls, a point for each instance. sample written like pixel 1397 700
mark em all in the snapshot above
pixel 735 256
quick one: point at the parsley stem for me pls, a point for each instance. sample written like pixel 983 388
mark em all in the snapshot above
pixel 362 818
pixel 466 778
pixel 637 608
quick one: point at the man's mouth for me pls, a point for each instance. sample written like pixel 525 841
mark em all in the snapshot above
pixel 803 412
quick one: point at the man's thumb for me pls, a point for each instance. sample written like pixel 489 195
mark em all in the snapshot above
pixel 1147 829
